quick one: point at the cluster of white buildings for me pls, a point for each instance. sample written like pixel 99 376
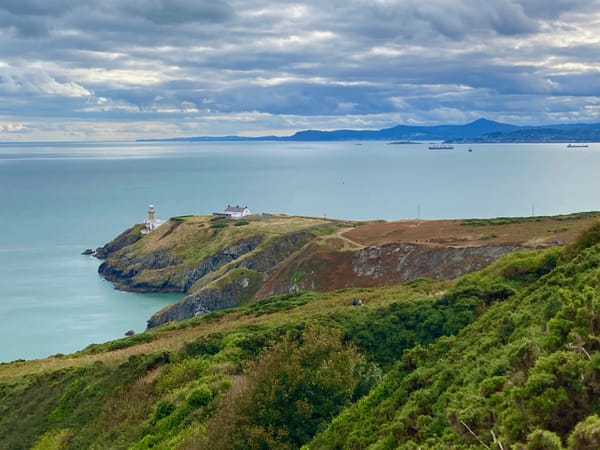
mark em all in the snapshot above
pixel 231 212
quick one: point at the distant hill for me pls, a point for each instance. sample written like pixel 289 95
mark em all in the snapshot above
pixel 481 130
pixel 439 132
pixel 565 133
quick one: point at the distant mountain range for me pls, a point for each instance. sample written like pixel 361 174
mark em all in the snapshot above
pixel 479 131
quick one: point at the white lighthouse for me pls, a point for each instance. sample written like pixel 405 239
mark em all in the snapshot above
pixel 151 214
pixel 151 223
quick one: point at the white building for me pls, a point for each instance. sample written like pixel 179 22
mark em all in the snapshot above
pixel 233 212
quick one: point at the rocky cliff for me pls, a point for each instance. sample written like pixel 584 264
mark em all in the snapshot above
pixel 221 264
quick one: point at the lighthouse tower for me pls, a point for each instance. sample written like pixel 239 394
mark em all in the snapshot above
pixel 151 214
pixel 151 222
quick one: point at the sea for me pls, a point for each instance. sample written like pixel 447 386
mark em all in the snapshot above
pixel 58 199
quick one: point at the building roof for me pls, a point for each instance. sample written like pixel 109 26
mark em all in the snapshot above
pixel 236 208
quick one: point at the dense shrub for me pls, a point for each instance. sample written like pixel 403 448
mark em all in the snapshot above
pixel 218 225
pixel 586 435
pixel 291 392
pixel 543 440
pixel 588 238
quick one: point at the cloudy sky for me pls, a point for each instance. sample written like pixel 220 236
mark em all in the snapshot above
pixel 123 69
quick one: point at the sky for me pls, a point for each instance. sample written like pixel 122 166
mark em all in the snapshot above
pixel 127 69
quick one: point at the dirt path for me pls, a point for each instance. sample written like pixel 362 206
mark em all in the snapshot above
pixel 352 245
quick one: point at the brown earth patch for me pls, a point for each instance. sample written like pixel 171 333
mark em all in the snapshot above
pixel 530 231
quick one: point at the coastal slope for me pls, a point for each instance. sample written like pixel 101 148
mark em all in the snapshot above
pixel 505 357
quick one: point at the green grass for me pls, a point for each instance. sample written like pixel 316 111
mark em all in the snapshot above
pixel 501 220
pixel 513 220
pixel 181 218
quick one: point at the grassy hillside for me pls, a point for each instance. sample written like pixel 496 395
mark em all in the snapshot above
pixel 507 357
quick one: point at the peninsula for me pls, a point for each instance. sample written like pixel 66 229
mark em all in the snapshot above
pixel 217 263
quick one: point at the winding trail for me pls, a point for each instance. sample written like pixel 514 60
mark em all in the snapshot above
pixel 353 245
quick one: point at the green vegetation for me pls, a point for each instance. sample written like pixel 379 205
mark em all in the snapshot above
pixel 297 276
pixel 501 220
pixel 292 391
pixel 525 370
pixel 180 218
pixel 222 224
pixel 508 357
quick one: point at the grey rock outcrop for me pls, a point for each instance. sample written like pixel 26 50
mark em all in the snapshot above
pixel 208 299
pixel 220 259
pixel 123 270
pixel 405 261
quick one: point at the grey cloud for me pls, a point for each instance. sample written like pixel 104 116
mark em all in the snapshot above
pixel 24 26
pixel 304 99
pixel 167 12
pixel 587 84
pixel 455 19
pixel 36 7
pixel 552 9
pixel 157 11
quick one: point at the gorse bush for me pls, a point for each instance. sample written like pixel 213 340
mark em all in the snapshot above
pixel 588 238
pixel 291 391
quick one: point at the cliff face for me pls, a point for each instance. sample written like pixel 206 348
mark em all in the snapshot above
pixel 404 262
pixel 240 286
pixel 226 263
pixel 321 268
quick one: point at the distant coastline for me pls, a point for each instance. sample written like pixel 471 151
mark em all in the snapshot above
pixel 479 131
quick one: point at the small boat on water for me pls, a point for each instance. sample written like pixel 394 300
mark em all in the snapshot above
pixel 577 145
pixel 441 147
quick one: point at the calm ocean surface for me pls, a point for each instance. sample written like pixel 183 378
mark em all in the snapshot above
pixel 58 199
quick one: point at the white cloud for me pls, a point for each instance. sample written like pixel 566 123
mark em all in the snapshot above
pixel 10 127
pixel 35 81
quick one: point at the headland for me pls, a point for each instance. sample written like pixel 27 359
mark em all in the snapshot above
pixel 218 263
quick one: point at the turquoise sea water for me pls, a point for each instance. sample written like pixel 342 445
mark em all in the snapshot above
pixel 58 199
